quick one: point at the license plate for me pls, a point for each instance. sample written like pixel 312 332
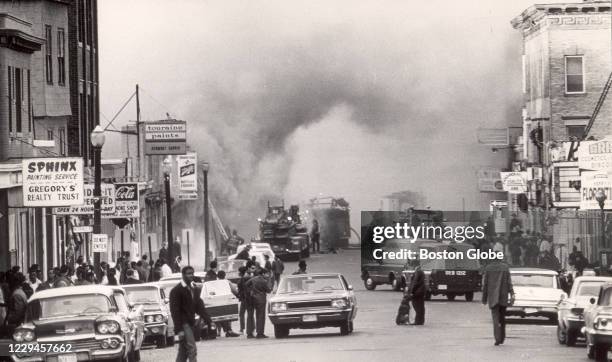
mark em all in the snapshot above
pixel 442 287
pixel 531 310
pixel 72 357
pixel 309 318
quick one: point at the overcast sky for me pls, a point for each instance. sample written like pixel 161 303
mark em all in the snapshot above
pixel 291 99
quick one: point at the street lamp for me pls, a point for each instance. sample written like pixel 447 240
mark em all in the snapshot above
pixel 601 197
pixel 167 168
pixel 205 167
pixel 97 141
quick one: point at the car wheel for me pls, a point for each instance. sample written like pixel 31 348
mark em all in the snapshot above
pixel 281 331
pixel 469 296
pixel 161 342
pixel 396 285
pixel 344 328
pixel 350 327
pixel 369 283
pixel 571 337
pixel 561 336
pixel 600 352
pixel 450 296
pixel 428 296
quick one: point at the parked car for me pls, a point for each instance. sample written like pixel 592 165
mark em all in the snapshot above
pixel 570 318
pixel 598 324
pixel 158 328
pixel 201 330
pixel 448 277
pixel 97 322
pixel 309 301
pixel 375 272
pixel 221 304
pixel 537 293
pixel 258 247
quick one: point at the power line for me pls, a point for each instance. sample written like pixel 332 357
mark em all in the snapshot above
pixel 120 110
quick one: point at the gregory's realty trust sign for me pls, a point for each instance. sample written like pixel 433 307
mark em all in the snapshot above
pixel 51 182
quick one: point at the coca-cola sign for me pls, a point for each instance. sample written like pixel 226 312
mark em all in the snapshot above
pixel 126 192
pixel 127 204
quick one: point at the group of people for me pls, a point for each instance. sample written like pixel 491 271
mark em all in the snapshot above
pixel 255 282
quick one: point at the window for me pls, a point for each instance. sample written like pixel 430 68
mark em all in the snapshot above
pixel 575 131
pixel 62 141
pixel 88 22
pixel 61 66
pixel 10 98
pixel 48 56
pixel 81 15
pixel 50 134
pixel 574 74
pixel 18 100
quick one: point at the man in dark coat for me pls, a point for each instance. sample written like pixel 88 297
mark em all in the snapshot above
pixel 417 291
pixel 244 254
pixel 185 302
pixel 257 288
pixel 211 274
pixel 131 277
pixel 496 286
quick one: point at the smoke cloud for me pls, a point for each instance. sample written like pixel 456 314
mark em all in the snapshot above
pixel 289 100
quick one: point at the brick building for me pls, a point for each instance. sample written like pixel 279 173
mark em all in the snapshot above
pixel 566 64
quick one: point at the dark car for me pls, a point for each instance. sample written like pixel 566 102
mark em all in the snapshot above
pixel 376 272
pixel 90 322
pixel 158 327
pixel 448 276
pixel 309 301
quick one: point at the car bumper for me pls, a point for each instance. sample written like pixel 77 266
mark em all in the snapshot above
pixel 310 319
pixel 81 355
pixel 573 323
pixel 225 318
pixel 154 330
pixel 532 310
pixel 601 337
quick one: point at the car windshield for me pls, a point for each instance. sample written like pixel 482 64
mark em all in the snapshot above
pixel 306 283
pixel 532 280
pixel 68 306
pixel 589 288
pixel 142 295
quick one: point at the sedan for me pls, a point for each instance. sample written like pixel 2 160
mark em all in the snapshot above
pixel 307 301
pixel 158 328
pixel 570 311
pixel 598 324
pixel 537 293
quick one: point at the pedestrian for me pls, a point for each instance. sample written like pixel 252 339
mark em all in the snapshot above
pixel 63 280
pixel 48 284
pixel 178 263
pixel 104 273
pixel 17 302
pixel 515 251
pixel 211 274
pixel 417 291
pixel 166 271
pixel 112 276
pixel 242 273
pixel 578 260
pixel 278 268
pixel 184 304
pixel 267 263
pixel 258 288
pixel 227 325
pixel 33 280
pixel 156 273
pixel 80 273
pixel 163 252
pixel 301 268
pixel 315 236
pixel 496 286
pixel 145 269
pixel 132 278
pixel 244 254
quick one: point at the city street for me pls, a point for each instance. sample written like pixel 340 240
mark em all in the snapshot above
pixel 453 331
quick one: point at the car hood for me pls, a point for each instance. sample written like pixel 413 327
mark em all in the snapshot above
pixel 307 296
pixel 537 293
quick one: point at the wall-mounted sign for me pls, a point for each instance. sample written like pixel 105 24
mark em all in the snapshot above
pixel 489 180
pixel 99 243
pixel 595 155
pixel 590 183
pixel 107 202
pixel 187 172
pixel 514 182
pixel 51 182
pixel 127 202
pixel 166 137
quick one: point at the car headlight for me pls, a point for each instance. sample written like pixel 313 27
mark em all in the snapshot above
pixel 278 307
pixel 159 318
pixel 28 336
pixel 339 303
pixel 602 323
pixel 150 319
pixel 108 327
pixel 18 335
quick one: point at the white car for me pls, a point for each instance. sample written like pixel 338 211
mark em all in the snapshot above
pixel 537 293
pixel 221 304
pixel 571 310
pixel 264 248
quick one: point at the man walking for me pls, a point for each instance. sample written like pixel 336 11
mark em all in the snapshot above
pixel 258 287
pixel 185 302
pixel 417 291
pixel 277 268
pixel 314 236
pixel 495 289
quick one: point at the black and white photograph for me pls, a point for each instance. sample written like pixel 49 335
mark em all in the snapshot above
pixel 295 181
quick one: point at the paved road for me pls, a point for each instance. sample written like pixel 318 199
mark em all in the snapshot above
pixel 454 331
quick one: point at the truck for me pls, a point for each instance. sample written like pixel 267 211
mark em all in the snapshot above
pixel 284 231
pixel 333 216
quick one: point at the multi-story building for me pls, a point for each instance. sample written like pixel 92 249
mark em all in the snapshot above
pixel 566 66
